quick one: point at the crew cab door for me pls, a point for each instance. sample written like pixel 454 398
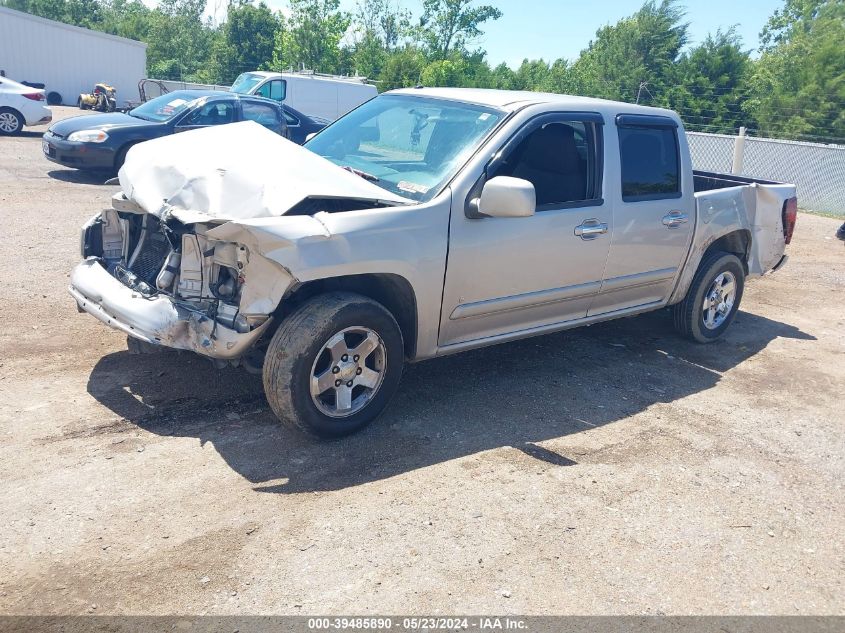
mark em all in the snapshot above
pixel 654 216
pixel 509 274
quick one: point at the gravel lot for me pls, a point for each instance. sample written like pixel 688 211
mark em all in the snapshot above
pixel 609 470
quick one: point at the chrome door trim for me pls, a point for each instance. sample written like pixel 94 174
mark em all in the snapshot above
pixel 637 280
pixel 506 337
pixel 522 301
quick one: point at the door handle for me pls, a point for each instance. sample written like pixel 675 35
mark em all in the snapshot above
pixel 674 219
pixel 590 229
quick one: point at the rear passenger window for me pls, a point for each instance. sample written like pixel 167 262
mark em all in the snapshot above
pixel 650 169
pixel 559 158
pixel 266 115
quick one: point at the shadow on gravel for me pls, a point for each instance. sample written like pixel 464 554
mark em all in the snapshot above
pixel 80 177
pixel 514 395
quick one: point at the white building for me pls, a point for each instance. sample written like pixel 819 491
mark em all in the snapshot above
pixel 69 59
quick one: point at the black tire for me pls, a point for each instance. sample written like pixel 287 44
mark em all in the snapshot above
pixel 689 314
pixel 54 98
pixel 297 345
pixel 14 118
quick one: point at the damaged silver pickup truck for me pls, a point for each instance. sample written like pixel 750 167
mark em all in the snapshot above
pixel 425 222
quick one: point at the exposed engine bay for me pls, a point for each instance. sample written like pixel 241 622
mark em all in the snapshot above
pixel 201 278
pixel 197 250
pixel 154 257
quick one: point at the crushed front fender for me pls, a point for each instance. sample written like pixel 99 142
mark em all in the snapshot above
pixel 158 319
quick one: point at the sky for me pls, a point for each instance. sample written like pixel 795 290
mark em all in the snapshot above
pixel 551 29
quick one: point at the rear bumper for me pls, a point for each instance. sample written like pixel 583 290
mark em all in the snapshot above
pixel 79 155
pixel 40 115
pixel 780 263
pixel 156 320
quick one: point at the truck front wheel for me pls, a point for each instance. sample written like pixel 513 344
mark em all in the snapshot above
pixel 713 298
pixel 334 364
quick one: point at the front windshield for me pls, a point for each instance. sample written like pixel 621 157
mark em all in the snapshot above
pixel 166 106
pixel 245 82
pixel 408 145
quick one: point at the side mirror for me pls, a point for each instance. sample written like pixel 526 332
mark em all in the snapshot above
pixel 506 197
pixel 310 136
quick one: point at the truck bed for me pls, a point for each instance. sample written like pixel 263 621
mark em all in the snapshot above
pixel 710 180
pixel 726 200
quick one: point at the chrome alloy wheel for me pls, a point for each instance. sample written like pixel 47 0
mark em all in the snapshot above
pixel 348 372
pixel 8 122
pixel 719 300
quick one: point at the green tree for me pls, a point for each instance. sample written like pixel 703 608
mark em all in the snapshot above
pixel 312 35
pixel 246 40
pixel 503 77
pixel 711 87
pixel 795 17
pixel 532 74
pixel 444 73
pixel 636 51
pixel 50 9
pixel 179 39
pixel 449 25
pixel 85 13
pixel 402 69
pixel 378 25
pixel 799 80
pixel 127 18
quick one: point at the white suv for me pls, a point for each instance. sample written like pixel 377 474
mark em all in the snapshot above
pixel 21 105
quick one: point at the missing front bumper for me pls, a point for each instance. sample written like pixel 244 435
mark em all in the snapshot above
pixel 156 320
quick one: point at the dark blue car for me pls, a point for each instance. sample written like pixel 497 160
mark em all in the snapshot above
pixel 101 141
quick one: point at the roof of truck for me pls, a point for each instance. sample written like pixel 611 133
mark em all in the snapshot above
pixel 511 100
pixel 307 75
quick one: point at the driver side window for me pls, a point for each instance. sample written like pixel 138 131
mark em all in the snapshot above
pixel 560 159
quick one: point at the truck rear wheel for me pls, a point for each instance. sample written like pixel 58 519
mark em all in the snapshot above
pixel 334 364
pixel 713 298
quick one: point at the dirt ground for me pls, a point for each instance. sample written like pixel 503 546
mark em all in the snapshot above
pixel 615 469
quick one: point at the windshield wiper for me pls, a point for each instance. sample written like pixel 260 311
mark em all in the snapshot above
pixel 363 174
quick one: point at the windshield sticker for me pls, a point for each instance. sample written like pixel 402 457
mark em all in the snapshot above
pixel 173 106
pixel 483 116
pixel 412 187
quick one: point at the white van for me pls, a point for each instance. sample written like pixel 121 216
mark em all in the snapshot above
pixel 325 96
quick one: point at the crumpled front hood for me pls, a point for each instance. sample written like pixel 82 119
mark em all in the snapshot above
pixel 237 171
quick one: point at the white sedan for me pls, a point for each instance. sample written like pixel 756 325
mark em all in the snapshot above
pixel 21 105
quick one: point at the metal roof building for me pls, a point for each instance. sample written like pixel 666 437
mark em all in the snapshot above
pixel 69 59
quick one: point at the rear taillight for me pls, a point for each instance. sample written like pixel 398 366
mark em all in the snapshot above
pixel 35 96
pixel 790 215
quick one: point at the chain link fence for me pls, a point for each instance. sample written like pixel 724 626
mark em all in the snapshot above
pixel 817 169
